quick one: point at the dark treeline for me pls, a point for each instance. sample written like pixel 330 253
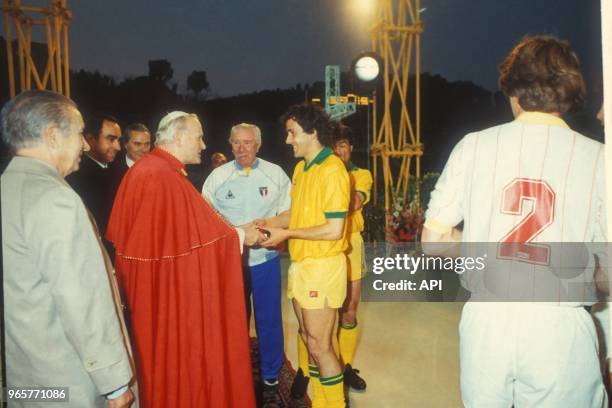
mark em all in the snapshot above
pixel 449 110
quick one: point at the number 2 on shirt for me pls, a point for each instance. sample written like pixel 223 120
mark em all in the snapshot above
pixel 516 243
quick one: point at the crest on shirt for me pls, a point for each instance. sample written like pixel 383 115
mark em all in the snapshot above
pixel 263 191
pixel 229 195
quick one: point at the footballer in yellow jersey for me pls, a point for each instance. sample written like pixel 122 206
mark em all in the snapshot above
pixel 361 185
pixel 316 228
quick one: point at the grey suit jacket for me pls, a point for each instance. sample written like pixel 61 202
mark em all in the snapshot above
pixel 61 326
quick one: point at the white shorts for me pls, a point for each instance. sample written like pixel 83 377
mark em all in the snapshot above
pixel 529 355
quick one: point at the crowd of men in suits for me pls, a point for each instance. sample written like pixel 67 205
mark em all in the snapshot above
pixel 105 164
pixel 112 152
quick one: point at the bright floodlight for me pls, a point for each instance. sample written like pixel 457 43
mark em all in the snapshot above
pixel 366 68
pixel 365 7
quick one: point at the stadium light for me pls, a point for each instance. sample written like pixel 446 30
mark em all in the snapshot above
pixel 366 67
pixel 365 7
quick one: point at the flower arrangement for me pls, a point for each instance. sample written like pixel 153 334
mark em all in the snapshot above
pixel 404 221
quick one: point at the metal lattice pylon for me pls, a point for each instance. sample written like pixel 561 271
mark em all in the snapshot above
pixel 55 20
pixel 396 130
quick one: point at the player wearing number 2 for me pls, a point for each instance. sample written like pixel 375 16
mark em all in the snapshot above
pixel 531 180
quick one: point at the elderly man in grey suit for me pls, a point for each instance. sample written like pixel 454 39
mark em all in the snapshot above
pixel 61 324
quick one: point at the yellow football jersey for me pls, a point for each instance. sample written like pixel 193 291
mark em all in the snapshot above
pixel 321 190
pixel 361 181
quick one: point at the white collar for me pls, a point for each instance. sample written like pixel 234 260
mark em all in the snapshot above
pixel 103 165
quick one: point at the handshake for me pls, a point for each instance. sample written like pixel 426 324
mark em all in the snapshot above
pixel 257 234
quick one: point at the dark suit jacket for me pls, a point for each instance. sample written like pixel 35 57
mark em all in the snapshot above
pixel 117 168
pixel 93 184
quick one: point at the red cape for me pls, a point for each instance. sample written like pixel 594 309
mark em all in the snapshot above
pixel 179 266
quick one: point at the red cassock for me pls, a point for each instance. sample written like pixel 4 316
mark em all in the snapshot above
pixel 179 266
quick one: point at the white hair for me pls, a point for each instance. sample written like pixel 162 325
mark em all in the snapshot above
pixel 171 124
pixel 241 126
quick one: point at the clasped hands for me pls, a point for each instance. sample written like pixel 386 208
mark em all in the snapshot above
pixel 256 233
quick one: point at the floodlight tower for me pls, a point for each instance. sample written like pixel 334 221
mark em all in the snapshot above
pixel 55 20
pixel 335 109
pixel 397 147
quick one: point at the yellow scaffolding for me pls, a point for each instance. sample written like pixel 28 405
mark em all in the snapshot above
pixel 55 19
pixel 396 38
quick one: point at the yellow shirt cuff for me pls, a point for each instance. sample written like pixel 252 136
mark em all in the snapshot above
pixel 437 226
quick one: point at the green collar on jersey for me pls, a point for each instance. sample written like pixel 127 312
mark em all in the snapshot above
pixel 319 158
pixel 352 167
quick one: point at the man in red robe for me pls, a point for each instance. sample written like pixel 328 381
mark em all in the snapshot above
pixel 180 269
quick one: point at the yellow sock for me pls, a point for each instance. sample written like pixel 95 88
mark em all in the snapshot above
pixel 318 397
pixel 302 355
pixel 333 389
pixel 347 340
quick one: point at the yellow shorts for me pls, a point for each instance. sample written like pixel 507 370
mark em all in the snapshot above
pixel 355 255
pixel 313 282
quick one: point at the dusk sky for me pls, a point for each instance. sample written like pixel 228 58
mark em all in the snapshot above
pixel 246 46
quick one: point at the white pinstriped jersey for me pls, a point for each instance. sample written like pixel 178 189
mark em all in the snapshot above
pixel 521 186
pixel 533 179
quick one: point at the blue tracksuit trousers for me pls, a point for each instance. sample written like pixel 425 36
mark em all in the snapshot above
pixel 264 282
